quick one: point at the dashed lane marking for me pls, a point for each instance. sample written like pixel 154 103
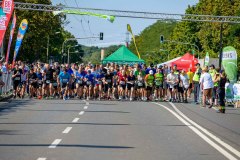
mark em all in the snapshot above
pixel 81 113
pixel 86 107
pixel 75 120
pixel 55 143
pixel 41 158
pixel 67 130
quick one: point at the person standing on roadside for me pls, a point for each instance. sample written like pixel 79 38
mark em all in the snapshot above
pixel 196 85
pixel 221 91
pixel 206 84
pixel 190 76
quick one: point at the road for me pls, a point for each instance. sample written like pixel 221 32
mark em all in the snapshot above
pixel 107 130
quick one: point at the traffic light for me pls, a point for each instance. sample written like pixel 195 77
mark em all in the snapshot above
pixel 161 39
pixel 101 35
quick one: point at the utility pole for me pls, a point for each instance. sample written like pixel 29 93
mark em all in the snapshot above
pixel 221 46
pixel 47 47
pixel 127 39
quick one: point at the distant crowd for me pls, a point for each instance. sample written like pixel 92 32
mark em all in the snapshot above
pixel 119 82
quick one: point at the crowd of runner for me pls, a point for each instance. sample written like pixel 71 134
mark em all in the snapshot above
pixel 122 82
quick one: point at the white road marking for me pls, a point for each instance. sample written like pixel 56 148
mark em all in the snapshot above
pixel 87 103
pixel 41 158
pixel 75 120
pixel 55 143
pixel 227 146
pixel 86 107
pixel 81 113
pixel 67 130
pixel 204 137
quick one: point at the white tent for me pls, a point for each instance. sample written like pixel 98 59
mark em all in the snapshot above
pixel 168 63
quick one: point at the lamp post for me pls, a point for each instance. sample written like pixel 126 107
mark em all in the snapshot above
pixel 185 43
pixel 69 52
pixel 164 50
pixel 48 39
pixel 72 39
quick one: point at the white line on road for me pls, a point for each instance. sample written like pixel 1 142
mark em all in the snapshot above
pixel 55 143
pixel 85 107
pixel 67 130
pixel 41 158
pixel 81 113
pixel 87 103
pixel 230 148
pixel 75 120
pixel 204 137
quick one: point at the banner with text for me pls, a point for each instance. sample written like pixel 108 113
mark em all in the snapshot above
pixel 229 61
pixel 7 9
pixel 77 12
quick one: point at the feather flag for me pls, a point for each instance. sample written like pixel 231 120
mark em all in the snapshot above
pixel 11 36
pixel 21 32
pixel 133 37
pixel 7 9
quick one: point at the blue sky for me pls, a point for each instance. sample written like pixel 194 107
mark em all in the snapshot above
pixel 115 33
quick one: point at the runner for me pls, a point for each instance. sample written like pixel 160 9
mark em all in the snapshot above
pixel 63 80
pixel 159 84
pixel 32 81
pixel 172 80
pixel 184 82
pixel 16 77
pixel 130 85
pixel 149 81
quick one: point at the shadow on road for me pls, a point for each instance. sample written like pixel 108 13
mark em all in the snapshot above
pixel 97 124
pixel 67 145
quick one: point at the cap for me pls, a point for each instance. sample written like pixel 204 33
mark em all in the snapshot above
pixel 198 64
pixel 160 67
pixel 175 65
pixel 151 65
pixel 151 72
pixel 212 65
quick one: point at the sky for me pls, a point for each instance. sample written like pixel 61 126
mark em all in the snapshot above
pixel 115 33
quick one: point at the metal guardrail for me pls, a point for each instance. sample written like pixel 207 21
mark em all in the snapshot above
pixel 7 79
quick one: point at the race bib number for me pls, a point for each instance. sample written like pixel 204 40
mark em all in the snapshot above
pixel 47 81
pixel 122 82
pixel 109 80
pixel 17 78
pixel 55 84
pixel 65 80
pixel 89 82
pixel 140 84
pixel 80 82
pixel 158 83
pixel 39 82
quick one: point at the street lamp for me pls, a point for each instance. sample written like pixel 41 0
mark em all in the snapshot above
pixel 48 39
pixel 69 52
pixel 185 43
pixel 164 50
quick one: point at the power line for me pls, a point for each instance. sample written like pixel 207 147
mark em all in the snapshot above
pixel 133 14
pixel 85 21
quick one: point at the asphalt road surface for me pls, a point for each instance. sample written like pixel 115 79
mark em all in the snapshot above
pixel 113 130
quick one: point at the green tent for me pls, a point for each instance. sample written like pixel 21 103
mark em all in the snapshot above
pixel 122 56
